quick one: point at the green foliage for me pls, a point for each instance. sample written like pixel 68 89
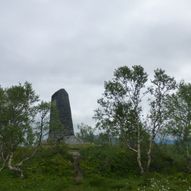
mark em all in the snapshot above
pixel 17 112
pixel 121 113
pixel 51 170
pixel 52 160
pixel 120 107
pixel 168 159
pixel 86 133
pixel 179 107
pixel 55 123
pixel 19 126
pixel 42 126
pixel 161 88
pixel 108 161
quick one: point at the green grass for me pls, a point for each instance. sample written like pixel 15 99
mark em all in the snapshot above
pixel 95 183
pixel 104 169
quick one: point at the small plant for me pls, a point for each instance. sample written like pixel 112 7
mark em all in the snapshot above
pixel 156 185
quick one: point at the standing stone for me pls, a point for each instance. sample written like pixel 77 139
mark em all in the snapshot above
pixel 61 126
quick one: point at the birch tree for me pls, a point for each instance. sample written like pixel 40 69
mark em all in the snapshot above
pixel 18 108
pixel 121 108
pixel 179 110
pixel 161 87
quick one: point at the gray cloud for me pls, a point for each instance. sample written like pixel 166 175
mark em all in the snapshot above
pixel 77 44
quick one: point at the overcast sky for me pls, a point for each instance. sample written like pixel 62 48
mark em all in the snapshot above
pixel 76 44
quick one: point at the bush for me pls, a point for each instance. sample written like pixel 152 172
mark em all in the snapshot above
pixel 108 161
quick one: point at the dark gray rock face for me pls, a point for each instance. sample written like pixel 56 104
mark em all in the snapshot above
pixel 61 125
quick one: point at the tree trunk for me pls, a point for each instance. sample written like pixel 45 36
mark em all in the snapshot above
pixel 14 168
pixel 139 150
pixel 149 153
pixel 4 162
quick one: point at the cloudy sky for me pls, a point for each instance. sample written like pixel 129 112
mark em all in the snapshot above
pixel 76 44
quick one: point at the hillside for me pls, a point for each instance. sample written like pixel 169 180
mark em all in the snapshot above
pixel 103 168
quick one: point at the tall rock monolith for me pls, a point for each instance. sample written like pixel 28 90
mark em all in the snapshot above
pixel 61 125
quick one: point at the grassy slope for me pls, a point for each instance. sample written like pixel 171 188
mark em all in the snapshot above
pixel 104 168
